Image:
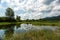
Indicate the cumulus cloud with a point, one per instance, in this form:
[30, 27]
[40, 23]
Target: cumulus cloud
[33, 9]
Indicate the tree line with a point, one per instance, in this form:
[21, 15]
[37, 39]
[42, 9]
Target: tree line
[51, 19]
[9, 16]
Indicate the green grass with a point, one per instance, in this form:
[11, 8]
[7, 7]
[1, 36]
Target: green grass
[35, 35]
[4, 23]
[50, 23]
[34, 23]
[7, 23]
[45, 23]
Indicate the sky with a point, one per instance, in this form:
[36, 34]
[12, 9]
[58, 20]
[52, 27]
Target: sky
[31, 9]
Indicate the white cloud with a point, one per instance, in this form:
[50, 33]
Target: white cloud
[30, 16]
[34, 9]
[1, 6]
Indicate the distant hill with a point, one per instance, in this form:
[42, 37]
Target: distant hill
[55, 18]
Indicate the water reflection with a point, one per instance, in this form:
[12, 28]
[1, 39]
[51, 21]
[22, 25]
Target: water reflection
[1, 33]
[7, 31]
[28, 27]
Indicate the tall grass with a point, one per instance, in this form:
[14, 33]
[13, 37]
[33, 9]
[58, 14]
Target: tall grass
[35, 35]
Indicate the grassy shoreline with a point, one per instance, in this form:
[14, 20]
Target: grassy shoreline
[34, 23]
[50, 23]
[7, 23]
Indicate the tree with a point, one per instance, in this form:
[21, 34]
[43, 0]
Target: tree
[9, 13]
[18, 18]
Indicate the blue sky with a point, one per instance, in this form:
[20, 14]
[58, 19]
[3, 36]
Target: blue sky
[31, 9]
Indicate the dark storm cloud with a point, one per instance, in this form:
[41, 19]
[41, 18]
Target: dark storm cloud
[48, 2]
[58, 1]
[48, 10]
[21, 1]
[0, 1]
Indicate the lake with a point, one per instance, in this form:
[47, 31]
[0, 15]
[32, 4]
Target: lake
[29, 32]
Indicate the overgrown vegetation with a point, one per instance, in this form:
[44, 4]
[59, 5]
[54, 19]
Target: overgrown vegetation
[35, 35]
[9, 16]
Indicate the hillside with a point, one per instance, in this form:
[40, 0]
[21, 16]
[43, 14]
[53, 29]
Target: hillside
[55, 18]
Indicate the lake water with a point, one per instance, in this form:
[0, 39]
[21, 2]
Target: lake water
[10, 30]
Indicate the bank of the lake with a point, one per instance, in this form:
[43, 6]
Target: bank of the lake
[51, 23]
[34, 23]
[45, 23]
[7, 23]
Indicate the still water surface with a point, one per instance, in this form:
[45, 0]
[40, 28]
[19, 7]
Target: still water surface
[22, 28]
